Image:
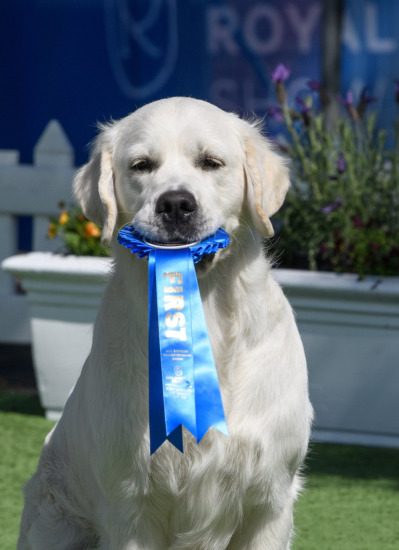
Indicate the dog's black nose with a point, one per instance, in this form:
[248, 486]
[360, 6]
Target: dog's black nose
[176, 206]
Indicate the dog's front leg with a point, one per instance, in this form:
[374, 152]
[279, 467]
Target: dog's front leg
[230, 499]
[262, 531]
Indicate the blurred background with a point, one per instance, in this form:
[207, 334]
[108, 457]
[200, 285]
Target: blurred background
[83, 61]
[66, 65]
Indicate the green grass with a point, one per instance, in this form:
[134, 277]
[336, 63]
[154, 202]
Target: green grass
[22, 433]
[351, 501]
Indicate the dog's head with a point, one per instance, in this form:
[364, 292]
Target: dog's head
[178, 169]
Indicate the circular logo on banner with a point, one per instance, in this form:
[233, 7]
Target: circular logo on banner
[142, 44]
[178, 371]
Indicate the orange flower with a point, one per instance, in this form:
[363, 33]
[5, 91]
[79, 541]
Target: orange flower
[52, 231]
[91, 230]
[63, 218]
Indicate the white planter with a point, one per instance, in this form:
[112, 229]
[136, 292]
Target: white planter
[64, 293]
[350, 330]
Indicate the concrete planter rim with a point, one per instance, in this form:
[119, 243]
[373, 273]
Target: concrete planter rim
[344, 285]
[35, 265]
[48, 262]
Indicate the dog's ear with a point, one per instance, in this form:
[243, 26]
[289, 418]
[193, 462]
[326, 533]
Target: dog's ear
[267, 179]
[93, 188]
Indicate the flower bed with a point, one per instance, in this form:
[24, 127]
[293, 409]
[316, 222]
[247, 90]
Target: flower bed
[341, 213]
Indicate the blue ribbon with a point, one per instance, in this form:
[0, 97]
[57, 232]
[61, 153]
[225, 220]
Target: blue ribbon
[183, 382]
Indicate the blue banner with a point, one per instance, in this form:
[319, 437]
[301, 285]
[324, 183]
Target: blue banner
[83, 61]
[370, 54]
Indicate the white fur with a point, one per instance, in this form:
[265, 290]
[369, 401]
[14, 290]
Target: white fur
[97, 485]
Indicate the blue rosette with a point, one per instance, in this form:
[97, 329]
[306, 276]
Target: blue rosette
[183, 384]
[130, 238]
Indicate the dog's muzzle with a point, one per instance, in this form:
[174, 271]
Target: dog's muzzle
[177, 215]
[179, 221]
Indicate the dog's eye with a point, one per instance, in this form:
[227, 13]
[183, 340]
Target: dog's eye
[141, 165]
[211, 163]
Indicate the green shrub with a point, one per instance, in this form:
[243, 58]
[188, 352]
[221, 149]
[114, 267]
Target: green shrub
[341, 213]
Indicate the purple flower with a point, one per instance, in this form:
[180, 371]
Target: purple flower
[348, 102]
[275, 112]
[314, 85]
[278, 76]
[323, 248]
[357, 222]
[337, 202]
[366, 97]
[304, 110]
[364, 100]
[302, 105]
[341, 163]
[280, 73]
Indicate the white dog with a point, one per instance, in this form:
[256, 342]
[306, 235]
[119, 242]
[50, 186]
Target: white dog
[178, 169]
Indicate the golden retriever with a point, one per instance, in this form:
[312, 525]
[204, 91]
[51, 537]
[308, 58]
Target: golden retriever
[97, 486]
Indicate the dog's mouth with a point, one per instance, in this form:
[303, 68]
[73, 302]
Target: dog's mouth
[178, 244]
[205, 260]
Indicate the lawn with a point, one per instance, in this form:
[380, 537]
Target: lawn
[351, 501]
[21, 438]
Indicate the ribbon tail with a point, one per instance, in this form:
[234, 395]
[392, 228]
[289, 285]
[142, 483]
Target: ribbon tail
[175, 338]
[171, 332]
[156, 407]
[156, 398]
[176, 438]
[208, 399]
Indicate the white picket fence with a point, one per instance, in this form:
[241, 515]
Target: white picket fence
[33, 190]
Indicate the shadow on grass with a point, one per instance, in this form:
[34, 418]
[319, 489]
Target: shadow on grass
[353, 461]
[14, 402]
